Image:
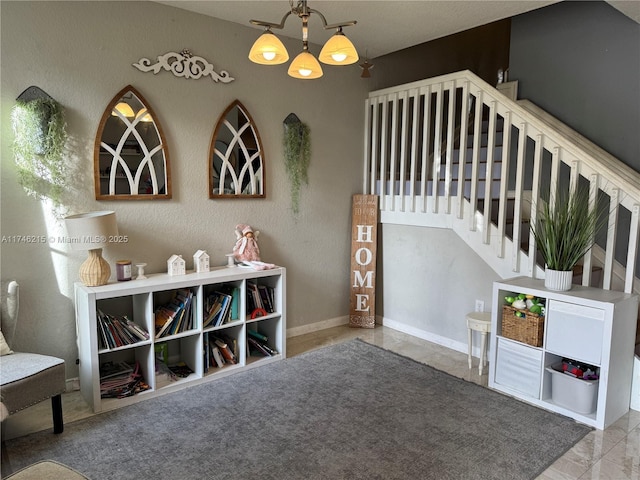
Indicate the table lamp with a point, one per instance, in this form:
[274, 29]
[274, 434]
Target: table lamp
[92, 231]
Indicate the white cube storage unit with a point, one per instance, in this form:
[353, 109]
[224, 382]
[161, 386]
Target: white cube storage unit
[588, 325]
[138, 300]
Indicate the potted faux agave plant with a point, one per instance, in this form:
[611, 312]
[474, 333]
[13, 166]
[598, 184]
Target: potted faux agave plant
[564, 232]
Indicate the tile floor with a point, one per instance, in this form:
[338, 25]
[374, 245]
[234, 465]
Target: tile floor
[610, 454]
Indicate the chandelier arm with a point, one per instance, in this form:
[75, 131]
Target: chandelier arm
[335, 25]
[350, 23]
[264, 23]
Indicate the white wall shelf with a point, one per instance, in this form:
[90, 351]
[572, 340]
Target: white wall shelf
[138, 299]
[589, 325]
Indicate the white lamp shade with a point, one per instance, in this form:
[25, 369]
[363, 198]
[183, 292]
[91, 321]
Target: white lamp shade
[338, 51]
[268, 50]
[305, 66]
[88, 231]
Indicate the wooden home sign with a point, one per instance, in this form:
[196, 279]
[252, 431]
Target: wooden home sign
[364, 229]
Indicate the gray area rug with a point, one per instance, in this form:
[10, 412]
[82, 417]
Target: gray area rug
[348, 411]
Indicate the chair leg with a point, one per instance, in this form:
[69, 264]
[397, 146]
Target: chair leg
[56, 408]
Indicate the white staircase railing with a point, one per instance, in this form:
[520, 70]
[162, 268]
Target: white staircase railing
[454, 152]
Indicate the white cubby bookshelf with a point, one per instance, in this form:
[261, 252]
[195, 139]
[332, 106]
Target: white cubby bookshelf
[138, 299]
[588, 325]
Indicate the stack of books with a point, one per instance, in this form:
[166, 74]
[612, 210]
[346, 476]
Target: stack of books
[221, 307]
[257, 343]
[260, 297]
[177, 315]
[119, 380]
[114, 332]
[219, 350]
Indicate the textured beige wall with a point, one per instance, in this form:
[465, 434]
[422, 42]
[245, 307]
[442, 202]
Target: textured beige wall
[81, 54]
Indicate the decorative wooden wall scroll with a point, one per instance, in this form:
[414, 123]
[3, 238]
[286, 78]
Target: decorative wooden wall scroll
[364, 234]
[185, 65]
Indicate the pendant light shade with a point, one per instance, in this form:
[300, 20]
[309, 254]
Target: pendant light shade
[338, 50]
[305, 66]
[268, 50]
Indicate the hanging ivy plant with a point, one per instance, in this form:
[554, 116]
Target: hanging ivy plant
[297, 156]
[40, 136]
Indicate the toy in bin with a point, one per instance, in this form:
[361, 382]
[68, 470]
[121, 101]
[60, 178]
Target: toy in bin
[578, 370]
[523, 301]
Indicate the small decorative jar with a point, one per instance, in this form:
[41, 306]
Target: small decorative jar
[123, 270]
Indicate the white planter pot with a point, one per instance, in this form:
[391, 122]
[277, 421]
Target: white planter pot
[557, 280]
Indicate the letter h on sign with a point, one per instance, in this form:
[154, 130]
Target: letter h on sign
[364, 227]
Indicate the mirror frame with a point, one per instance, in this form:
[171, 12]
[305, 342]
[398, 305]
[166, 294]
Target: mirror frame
[214, 139]
[96, 152]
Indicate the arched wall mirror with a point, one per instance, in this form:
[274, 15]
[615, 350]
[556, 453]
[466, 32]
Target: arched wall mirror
[131, 160]
[236, 163]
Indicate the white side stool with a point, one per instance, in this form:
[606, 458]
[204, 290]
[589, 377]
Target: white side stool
[480, 322]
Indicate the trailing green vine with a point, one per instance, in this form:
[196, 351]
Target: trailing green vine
[297, 155]
[40, 134]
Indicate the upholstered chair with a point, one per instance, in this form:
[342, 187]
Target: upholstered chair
[27, 378]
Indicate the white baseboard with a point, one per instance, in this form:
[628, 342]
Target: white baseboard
[315, 327]
[72, 384]
[387, 322]
[430, 337]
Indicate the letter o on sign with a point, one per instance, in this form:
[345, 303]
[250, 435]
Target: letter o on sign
[358, 256]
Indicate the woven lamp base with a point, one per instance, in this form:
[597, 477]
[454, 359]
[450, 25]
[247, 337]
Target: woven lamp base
[95, 271]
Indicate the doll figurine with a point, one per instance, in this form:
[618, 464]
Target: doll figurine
[246, 247]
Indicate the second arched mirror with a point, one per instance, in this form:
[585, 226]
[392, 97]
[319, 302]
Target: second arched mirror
[236, 162]
[131, 160]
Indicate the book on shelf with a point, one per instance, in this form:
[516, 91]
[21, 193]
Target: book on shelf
[234, 292]
[257, 335]
[254, 302]
[266, 295]
[181, 370]
[257, 346]
[206, 352]
[118, 331]
[175, 316]
[138, 331]
[114, 369]
[217, 357]
[226, 351]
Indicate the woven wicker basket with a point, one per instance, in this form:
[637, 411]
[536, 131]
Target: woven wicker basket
[528, 329]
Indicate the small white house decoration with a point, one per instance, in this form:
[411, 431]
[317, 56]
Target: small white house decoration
[201, 261]
[176, 265]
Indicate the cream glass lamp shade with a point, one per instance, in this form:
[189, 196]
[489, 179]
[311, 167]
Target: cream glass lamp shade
[305, 66]
[338, 51]
[124, 108]
[92, 231]
[268, 50]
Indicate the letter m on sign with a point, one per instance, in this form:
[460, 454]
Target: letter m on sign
[364, 229]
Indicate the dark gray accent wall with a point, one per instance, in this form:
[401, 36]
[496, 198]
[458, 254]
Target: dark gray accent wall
[483, 50]
[580, 61]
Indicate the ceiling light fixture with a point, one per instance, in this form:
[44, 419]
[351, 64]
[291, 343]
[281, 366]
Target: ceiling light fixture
[269, 50]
